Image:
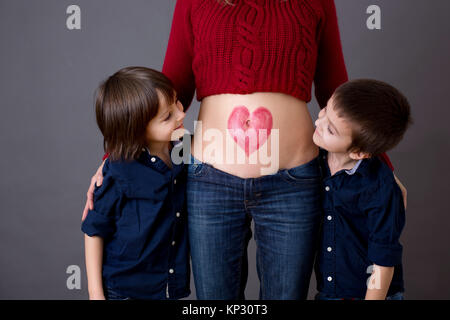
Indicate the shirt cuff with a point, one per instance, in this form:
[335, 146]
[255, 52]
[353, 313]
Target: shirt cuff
[97, 224]
[385, 255]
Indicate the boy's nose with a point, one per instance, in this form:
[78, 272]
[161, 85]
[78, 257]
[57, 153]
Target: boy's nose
[316, 122]
[319, 117]
[181, 115]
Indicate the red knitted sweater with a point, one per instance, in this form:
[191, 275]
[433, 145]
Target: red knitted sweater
[255, 46]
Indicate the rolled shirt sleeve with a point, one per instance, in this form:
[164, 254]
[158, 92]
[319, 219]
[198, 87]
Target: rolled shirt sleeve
[101, 221]
[386, 219]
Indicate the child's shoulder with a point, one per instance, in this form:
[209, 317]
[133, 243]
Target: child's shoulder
[109, 185]
[136, 179]
[120, 169]
[378, 171]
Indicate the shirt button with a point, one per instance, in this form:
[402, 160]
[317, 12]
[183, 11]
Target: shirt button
[329, 218]
[329, 249]
[178, 214]
[327, 188]
[171, 271]
[175, 181]
[173, 243]
[330, 279]
[153, 159]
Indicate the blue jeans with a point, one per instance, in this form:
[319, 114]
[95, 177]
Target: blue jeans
[286, 211]
[395, 296]
[110, 294]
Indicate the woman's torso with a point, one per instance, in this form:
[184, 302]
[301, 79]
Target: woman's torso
[289, 142]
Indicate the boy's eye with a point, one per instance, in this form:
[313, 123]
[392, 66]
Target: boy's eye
[168, 117]
[329, 130]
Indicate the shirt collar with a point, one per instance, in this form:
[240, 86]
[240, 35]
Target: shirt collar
[143, 177]
[155, 162]
[355, 167]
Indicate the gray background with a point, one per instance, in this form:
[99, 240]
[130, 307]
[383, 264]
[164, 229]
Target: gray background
[50, 144]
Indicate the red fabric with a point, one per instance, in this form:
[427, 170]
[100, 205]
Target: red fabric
[255, 46]
[385, 158]
[105, 156]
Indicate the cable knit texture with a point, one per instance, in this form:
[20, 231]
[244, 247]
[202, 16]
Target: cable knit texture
[255, 46]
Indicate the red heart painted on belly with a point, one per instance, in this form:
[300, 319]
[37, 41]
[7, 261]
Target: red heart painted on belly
[250, 131]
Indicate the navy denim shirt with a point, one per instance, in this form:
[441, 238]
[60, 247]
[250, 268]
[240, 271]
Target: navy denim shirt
[363, 218]
[140, 212]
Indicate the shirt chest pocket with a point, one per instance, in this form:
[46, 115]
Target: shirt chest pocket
[141, 205]
[347, 204]
[135, 224]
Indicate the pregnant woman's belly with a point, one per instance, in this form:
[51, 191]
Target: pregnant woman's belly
[253, 135]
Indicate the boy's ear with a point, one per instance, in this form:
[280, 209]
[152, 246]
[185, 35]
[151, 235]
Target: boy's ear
[358, 155]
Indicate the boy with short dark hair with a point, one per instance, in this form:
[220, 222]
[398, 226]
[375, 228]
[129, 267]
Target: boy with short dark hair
[363, 206]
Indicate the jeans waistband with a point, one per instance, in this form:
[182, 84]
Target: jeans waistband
[310, 168]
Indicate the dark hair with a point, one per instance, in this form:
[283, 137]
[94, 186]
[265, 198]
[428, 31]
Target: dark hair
[124, 105]
[380, 112]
